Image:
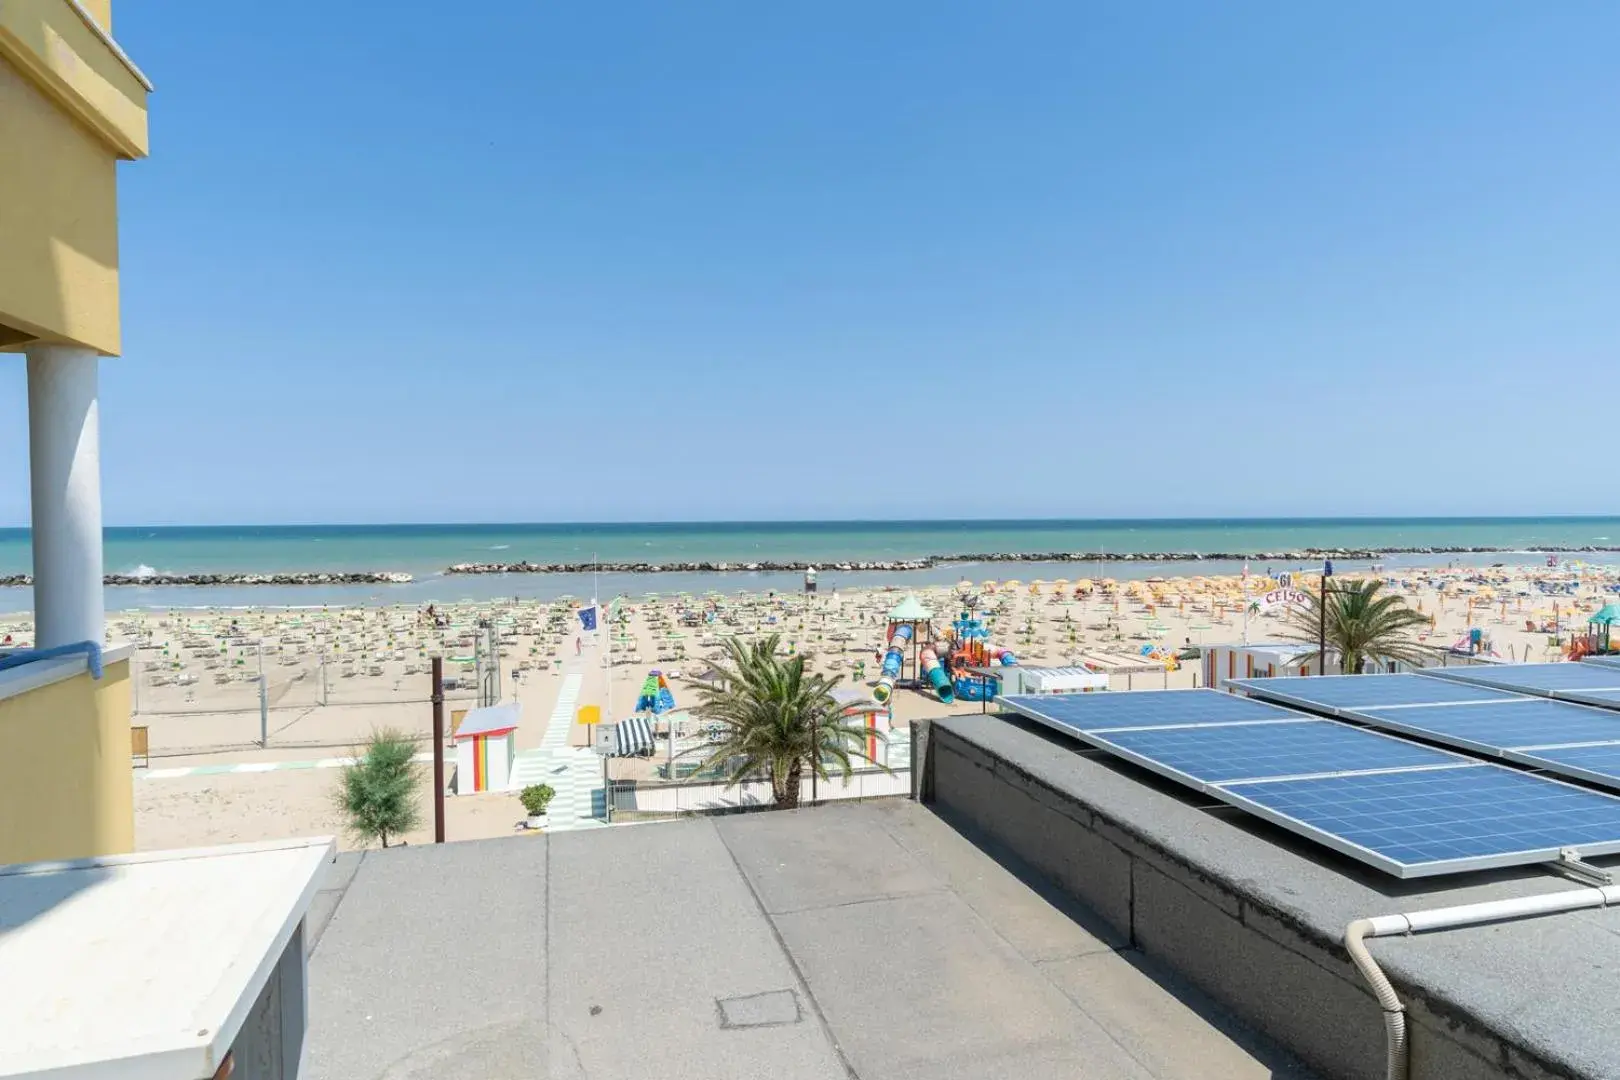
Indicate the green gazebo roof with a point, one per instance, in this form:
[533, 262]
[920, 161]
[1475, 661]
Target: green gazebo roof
[910, 610]
[1607, 614]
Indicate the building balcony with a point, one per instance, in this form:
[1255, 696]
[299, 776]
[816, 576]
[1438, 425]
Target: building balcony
[66, 789]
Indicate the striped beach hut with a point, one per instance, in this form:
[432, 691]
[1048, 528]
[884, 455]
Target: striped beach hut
[486, 742]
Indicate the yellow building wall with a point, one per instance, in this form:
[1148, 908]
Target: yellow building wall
[101, 11]
[70, 109]
[66, 785]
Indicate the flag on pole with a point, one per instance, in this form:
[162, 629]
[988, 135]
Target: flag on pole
[587, 617]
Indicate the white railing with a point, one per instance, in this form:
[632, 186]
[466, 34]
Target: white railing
[701, 797]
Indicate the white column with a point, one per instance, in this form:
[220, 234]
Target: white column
[64, 447]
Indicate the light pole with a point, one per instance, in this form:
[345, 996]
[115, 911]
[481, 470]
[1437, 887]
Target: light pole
[1321, 620]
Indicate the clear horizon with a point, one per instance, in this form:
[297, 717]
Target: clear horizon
[749, 262]
[1265, 519]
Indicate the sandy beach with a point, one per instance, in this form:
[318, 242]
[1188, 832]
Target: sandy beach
[333, 675]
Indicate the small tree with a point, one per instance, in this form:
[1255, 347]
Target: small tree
[377, 794]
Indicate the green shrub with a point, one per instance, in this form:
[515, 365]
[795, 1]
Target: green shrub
[377, 794]
[536, 797]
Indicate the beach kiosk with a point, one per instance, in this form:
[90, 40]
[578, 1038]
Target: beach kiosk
[486, 742]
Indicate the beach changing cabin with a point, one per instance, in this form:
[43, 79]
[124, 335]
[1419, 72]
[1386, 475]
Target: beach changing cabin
[1264, 660]
[486, 742]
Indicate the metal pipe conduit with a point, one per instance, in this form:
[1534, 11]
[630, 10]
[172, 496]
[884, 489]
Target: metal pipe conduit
[1417, 922]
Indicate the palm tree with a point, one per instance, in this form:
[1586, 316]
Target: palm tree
[777, 718]
[1362, 625]
[377, 793]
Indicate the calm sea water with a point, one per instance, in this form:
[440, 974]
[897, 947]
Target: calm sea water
[425, 550]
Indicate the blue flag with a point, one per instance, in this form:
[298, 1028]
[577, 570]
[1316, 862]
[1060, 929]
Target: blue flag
[587, 617]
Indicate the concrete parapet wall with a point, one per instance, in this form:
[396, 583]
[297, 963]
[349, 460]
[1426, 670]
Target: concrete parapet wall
[1234, 908]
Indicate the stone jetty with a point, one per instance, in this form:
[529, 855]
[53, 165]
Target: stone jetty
[363, 577]
[931, 561]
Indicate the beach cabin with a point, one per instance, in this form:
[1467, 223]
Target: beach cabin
[1050, 680]
[1258, 661]
[486, 742]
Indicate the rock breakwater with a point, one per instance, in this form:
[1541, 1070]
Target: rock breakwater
[364, 577]
[930, 561]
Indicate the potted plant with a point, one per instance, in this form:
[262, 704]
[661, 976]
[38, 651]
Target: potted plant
[536, 797]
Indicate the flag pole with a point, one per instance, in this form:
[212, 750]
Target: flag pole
[1245, 601]
[607, 664]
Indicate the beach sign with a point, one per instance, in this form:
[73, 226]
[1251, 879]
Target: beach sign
[1284, 596]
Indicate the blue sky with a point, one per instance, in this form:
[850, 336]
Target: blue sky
[647, 261]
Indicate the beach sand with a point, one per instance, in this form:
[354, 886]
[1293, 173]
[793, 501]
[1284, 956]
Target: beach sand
[332, 676]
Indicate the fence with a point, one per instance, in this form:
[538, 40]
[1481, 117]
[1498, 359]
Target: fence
[688, 798]
[204, 694]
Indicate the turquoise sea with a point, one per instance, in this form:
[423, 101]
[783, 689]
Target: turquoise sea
[424, 551]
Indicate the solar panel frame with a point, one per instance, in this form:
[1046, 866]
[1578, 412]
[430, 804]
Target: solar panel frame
[1239, 795]
[1582, 725]
[1542, 680]
[1204, 766]
[1150, 708]
[1311, 691]
[1573, 761]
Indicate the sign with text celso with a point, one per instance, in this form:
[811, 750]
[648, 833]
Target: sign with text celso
[1284, 596]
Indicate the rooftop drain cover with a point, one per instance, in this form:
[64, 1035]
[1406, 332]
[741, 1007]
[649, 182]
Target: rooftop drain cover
[770, 1009]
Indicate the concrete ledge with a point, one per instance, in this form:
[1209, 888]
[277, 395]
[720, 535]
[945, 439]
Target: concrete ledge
[29, 677]
[1254, 916]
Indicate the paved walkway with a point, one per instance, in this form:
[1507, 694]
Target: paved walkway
[575, 773]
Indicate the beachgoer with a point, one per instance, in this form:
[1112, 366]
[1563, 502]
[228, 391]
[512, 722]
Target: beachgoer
[576, 645]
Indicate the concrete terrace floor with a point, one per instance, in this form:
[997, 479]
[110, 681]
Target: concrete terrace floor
[871, 940]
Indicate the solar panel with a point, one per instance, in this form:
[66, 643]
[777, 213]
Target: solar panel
[1494, 726]
[1213, 755]
[1400, 806]
[1602, 661]
[1437, 821]
[1351, 691]
[1599, 764]
[1544, 679]
[1144, 708]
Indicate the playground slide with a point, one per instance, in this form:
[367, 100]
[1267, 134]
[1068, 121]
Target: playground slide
[891, 663]
[932, 670]
[1002, 656]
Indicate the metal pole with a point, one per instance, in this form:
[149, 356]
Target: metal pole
[607, 793]
[1321, 627]
[815, 759]
[264, 703]
[438, 749]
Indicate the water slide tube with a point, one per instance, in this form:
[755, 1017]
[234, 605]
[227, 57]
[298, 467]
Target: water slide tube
[932, 670]
[1001, 655]
[891, 663]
